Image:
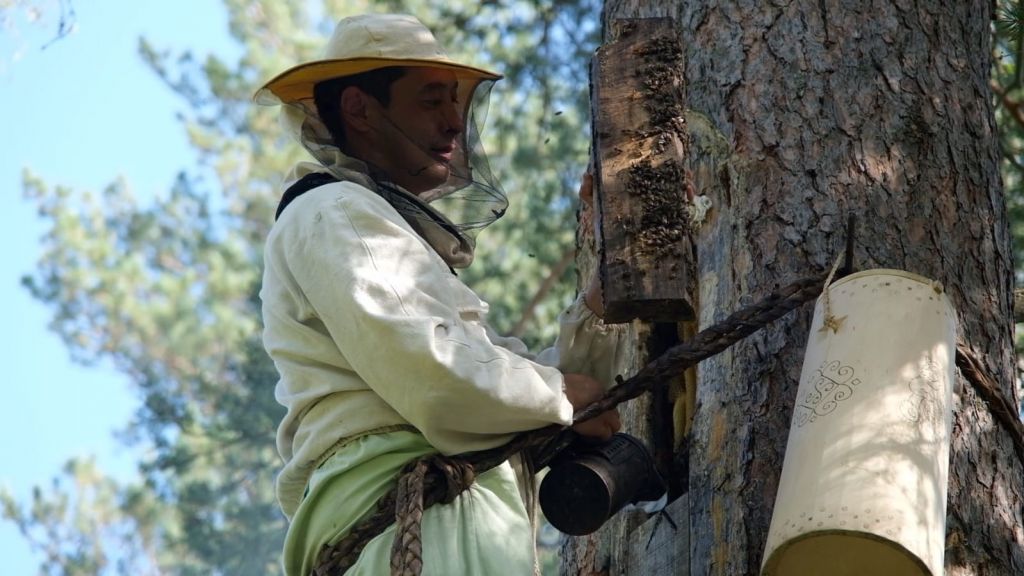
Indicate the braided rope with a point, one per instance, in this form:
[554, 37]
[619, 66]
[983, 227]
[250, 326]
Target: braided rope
[1002, 409]
[709, 342]
[407, 548]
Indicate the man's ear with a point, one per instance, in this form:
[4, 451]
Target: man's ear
[354, 109]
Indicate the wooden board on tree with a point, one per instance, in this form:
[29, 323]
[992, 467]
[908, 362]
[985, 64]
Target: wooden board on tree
[644, 236]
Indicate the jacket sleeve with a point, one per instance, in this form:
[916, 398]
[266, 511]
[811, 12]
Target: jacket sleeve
[413, 331]
[585, 345]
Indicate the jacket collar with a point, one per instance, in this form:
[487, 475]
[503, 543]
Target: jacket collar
[444, 237]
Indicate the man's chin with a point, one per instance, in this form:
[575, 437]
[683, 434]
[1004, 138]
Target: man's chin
[430, 179]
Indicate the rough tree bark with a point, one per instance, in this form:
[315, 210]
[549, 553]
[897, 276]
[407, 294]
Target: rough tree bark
[801, 113]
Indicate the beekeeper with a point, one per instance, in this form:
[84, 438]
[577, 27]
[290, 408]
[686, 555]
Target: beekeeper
[384, 355]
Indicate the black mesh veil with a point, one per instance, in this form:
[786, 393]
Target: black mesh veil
[448, 216]
[472, 198]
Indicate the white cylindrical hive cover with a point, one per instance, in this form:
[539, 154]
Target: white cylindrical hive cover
[863, 486]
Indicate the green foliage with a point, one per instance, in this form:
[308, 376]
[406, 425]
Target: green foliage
[1008, 92]
[167, 291]
[90, 527]
[1008, 89]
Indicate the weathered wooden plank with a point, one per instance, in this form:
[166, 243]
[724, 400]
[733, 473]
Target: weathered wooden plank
[640, 141]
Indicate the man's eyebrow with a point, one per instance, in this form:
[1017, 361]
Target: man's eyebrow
[438, 87]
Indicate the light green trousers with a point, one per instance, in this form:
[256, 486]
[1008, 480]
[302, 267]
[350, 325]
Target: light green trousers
[485, 531]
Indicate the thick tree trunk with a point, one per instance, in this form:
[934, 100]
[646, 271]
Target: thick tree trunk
[803, 113]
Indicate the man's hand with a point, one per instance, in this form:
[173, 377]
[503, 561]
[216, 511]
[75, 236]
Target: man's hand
[582, 391]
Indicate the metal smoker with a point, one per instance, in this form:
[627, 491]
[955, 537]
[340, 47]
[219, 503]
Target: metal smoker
[588, 483]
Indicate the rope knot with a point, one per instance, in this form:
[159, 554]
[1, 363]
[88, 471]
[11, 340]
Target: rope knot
[458, 475]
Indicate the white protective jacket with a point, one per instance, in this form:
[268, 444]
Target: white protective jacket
[371, 331]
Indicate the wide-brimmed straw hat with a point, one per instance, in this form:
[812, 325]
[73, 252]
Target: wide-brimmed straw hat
[363, 43]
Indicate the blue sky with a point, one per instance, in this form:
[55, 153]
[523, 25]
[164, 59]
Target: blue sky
[72, 114]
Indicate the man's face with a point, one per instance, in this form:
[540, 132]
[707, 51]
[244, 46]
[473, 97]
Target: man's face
[418, 131]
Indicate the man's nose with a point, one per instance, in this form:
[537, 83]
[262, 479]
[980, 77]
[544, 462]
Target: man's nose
[453, 118]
